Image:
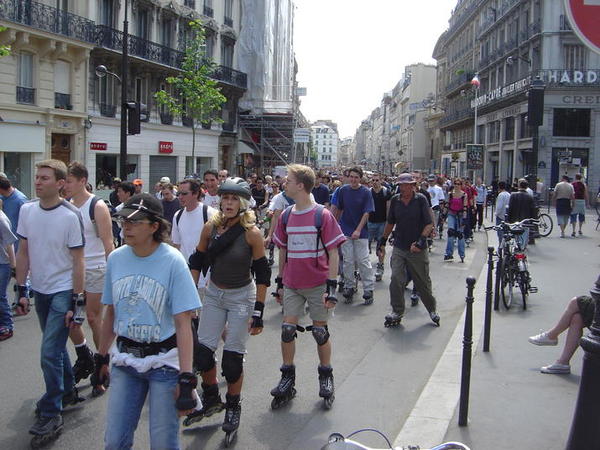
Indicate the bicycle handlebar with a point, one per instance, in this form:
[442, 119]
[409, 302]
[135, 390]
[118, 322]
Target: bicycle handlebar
[505, 225]
[338, 442]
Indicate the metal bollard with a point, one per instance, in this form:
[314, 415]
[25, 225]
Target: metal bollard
[488, 301]
[465, 381]
[498, 279]
[585, 429]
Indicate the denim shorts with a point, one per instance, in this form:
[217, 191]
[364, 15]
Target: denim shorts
[375, 230]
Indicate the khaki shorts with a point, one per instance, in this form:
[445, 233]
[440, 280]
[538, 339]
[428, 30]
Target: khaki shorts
[294, 300]
[94, 279]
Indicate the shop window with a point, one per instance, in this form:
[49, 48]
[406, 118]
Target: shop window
[571, 122]
[17, 167]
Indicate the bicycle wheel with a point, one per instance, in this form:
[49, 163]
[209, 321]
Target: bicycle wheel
[524, 287]
[506, 283]
[546, 225]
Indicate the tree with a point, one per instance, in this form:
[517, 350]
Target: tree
[4, 49]
[195, 94]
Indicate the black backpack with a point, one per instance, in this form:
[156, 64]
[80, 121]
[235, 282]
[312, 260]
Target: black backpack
[204, 214]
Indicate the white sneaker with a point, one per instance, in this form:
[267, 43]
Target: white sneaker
[556, 369]
[542, 339]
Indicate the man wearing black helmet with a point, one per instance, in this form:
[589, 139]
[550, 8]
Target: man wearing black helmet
[233, 248]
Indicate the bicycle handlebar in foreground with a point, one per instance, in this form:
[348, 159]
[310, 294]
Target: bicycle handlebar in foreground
[338, 442]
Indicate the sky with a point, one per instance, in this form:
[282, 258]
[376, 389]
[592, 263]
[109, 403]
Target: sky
[350, 52]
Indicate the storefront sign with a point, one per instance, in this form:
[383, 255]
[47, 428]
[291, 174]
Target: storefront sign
[165, 147]
[98, 146]
[474, 157]
[502, 92]
[570, 77]
[581, 99]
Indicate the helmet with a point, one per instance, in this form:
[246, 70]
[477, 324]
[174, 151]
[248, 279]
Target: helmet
[235, 186]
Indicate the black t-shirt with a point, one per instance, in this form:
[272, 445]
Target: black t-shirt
[259, 195]
[409, 219]
[380, 201]
[426, 194]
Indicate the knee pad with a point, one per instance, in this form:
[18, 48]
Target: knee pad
[204, 358]
[320, 334]
[288, 332]
[232, 365]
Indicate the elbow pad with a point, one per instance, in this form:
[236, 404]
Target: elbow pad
[198, 261]
[262, 271]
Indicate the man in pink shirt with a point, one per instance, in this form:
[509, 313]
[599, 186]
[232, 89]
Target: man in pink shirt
[308, 237]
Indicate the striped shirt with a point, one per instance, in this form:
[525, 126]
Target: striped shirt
[307, 264]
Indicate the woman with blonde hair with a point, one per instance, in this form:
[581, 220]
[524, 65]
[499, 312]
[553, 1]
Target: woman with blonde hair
[233, 248]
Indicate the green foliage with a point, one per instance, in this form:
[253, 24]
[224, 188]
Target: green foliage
[4, 49]
[195, 94]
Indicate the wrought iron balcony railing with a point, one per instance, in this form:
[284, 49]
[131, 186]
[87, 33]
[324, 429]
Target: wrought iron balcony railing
[228, 21]
[25, 95]
[108, 110]
[231, 76]
[166, 118]
[47, 18]
[62, 101]
[187, 121]
[459, 82]
[456, 116]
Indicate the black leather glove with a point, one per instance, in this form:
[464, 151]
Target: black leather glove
[278, 285]
[100, 376]
[257, 315]
[421, 243]
[187, 383]
[331, 290]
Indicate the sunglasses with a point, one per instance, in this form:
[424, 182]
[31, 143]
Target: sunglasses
[123, 221]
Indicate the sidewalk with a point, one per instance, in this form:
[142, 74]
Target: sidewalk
[512, 404]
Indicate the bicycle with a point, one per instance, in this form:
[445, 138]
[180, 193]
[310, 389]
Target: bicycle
[337, 441]
[513, 262]
[545, 225]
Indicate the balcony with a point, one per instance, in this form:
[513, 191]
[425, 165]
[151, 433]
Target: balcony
[466, 14]
[231, 76]
[531, 30]
[62, 101]
[166, 118]
[458, 82]
[498, 15]
[142, 48]
[208, 11]
[47, 18]
[187, 121]
[564, 23]
[228, 21]
[456, 116]
[25, 95]
[108, 110]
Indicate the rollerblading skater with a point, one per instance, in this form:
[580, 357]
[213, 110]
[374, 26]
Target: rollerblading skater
[326, 389]
[46, 430]
[285, 390]
[233, 412]
[379, 272]
[211, 404]
[392, 319]
[84, 366]
[368, 298]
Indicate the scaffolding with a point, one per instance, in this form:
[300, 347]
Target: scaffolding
[271, 136]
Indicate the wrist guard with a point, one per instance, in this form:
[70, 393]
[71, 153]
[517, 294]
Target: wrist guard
[421, 243]
[278, 285]
[78, 308]
[187, 383]
[257, 315]
[331, 290]
[97, 378]
[23, 291]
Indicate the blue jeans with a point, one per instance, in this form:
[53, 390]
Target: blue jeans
[56, 366]
[6, 320]
[375, 231]
[523, 239]
[455, 223]
[499, 232]
[127, 395]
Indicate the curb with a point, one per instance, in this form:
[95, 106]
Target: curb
[430, 418]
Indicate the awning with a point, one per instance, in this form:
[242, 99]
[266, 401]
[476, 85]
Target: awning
[22, 138]
[244, 148]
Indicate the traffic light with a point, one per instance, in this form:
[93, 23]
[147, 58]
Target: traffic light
[133, 117]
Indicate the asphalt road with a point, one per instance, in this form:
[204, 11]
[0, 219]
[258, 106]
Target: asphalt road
[379, 374]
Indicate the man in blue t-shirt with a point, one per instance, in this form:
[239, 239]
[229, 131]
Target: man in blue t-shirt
[321, 193]
[354, 202]
[12, 199]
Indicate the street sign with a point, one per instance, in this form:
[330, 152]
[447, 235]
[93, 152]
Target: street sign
[584, 17]
[302, 135]
[474, 157]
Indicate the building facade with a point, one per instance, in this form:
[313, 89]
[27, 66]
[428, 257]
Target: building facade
[325, 144]
[49, 90]
[509, 44]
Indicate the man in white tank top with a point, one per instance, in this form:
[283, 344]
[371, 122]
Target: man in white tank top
[98, 245]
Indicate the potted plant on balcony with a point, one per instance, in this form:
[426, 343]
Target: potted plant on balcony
[198, 97]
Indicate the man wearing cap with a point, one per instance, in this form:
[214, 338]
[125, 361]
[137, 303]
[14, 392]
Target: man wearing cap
[139, 185]
[410, 219]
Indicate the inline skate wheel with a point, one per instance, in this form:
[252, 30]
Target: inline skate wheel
[230, 438]
[328, 402]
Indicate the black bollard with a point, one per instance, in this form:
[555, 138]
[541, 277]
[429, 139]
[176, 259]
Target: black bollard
[465, 381]
[585, 429]
[498, 279]
[488, 301]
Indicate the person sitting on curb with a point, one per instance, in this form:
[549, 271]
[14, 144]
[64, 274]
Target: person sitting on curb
[578, 314]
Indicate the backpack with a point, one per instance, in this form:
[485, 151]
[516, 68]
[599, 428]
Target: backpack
[92, 213]
[204, 214]
[288, 199]
[318, 225]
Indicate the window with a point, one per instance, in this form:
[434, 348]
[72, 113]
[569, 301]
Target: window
[509, 129]
[166, 31]
[575, 57]
[227, 53]
[210, 45]
[62, 85]
[142, 23]
[228, 13]
[524, 130]
[26, 70]
[494, 132]
[141, 90]
[571, 122]
[105, 13]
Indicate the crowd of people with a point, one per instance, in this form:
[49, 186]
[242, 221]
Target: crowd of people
[164, 277]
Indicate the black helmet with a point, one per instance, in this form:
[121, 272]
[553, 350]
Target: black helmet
[235, 186]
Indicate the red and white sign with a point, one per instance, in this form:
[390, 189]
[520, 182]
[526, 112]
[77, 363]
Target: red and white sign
[584, 17]
[98, 146]
[165, 147]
